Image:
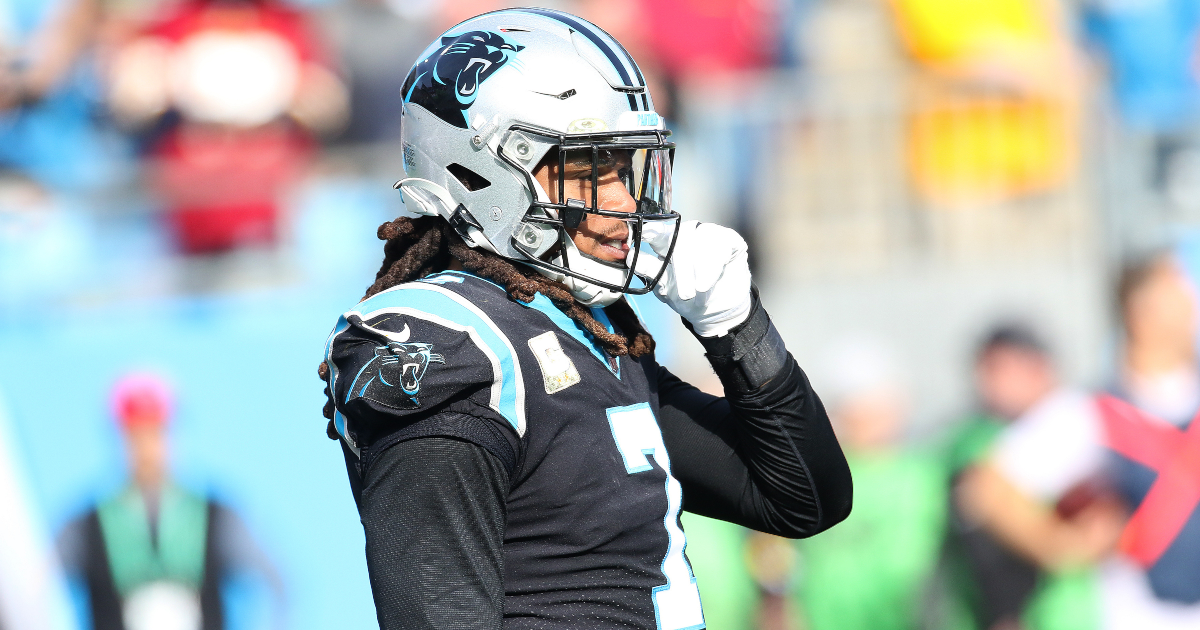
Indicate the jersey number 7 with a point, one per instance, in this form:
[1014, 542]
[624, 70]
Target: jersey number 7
[636, 432]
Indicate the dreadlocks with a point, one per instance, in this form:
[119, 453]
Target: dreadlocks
[416, 248]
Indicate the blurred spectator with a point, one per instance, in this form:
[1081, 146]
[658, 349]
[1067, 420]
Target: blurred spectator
[33, 595]
[1056, 484]
[237, 88]
[870, 572]
[1014, 373]
[30, 70]
[155, 556]
[996, 101]
[47, 127]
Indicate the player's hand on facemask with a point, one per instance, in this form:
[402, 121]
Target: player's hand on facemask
[707, 280]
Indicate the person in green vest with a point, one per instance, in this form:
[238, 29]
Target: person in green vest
[154, 555]
[871, 571]
[1000, 588]
[1013, 370]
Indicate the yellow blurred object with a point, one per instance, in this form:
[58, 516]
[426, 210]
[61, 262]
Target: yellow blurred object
[993, 118]
[948, 30]
[989, 148]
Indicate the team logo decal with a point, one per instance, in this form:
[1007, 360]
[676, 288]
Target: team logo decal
[399, 365]
[558, 371]
[447, 81]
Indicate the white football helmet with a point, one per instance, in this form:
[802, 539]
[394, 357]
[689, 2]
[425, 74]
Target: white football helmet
[491, 98]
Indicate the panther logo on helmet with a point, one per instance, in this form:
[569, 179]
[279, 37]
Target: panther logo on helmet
[447, 81]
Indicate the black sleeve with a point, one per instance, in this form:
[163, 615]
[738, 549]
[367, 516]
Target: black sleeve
[433, 509]
[765, 456]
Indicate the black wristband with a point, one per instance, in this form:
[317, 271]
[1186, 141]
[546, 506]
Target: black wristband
[750, 354]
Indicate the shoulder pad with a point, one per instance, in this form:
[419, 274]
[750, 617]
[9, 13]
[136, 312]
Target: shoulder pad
[415, 347]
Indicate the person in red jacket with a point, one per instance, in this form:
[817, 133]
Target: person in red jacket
[237, 89]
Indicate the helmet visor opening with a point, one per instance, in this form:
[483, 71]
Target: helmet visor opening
[585, 175]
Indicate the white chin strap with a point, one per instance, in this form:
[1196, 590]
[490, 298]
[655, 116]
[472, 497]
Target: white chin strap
[585, 292]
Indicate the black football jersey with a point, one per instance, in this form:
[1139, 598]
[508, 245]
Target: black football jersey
[593, 536]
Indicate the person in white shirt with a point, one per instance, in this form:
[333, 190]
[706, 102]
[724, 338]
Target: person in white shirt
[1111, 478]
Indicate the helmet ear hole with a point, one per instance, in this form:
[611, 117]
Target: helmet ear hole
[470, 180]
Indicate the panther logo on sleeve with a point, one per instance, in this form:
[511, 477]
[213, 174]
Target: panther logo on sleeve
[400, 364]
[447, 81]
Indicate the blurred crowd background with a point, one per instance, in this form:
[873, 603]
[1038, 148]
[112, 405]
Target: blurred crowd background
[968, 219]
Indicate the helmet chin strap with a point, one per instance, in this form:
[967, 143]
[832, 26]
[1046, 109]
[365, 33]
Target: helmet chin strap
[586, 293]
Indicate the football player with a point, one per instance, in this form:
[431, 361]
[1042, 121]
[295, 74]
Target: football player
[518, 457]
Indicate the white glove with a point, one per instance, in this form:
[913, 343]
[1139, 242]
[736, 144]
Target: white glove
[707, 280]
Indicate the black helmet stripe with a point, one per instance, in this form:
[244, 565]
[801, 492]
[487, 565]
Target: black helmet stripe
[637, 71]
[604, 48]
